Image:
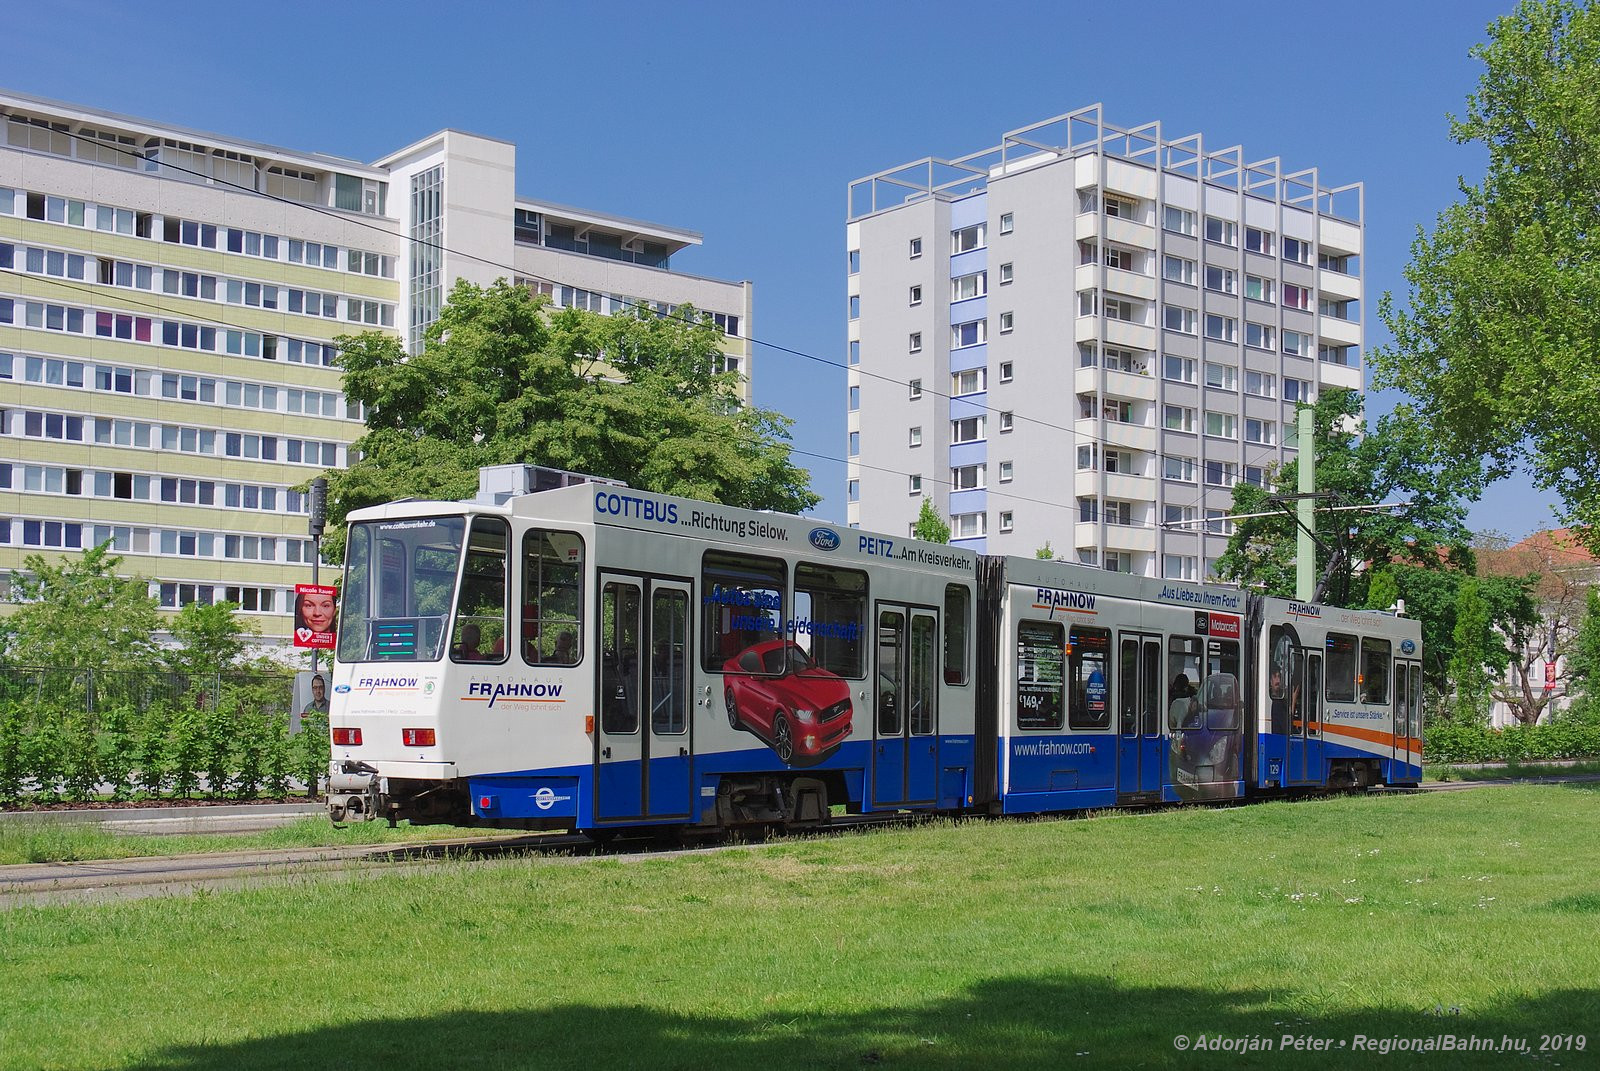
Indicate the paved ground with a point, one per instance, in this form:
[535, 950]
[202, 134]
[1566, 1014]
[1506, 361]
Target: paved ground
[221, 818]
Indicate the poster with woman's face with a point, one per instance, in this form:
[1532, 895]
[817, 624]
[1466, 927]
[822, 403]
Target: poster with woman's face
[315, 613]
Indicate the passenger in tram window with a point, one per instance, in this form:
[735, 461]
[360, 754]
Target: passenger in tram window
[1280, 703]
[1184, 710]
[467, 650]
[566, 652]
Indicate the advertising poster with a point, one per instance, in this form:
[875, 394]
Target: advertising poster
[316, 608]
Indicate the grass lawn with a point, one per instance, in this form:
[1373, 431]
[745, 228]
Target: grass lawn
[1009, 944]
[23, 841]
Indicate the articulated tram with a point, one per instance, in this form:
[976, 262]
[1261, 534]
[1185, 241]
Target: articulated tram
[594, 657]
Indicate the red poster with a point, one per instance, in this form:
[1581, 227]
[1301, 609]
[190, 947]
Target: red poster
[316, 608]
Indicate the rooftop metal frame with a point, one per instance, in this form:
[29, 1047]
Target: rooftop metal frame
[1084, 132]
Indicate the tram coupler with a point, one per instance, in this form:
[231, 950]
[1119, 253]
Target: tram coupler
[353, 791]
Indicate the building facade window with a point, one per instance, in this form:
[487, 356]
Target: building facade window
[967, 239]
[1008, 223]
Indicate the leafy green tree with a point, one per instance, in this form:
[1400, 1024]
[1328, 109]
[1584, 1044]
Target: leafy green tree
[1469, 679]
[80, 614]
[503, 379]
[1583, 661]
[1392, 463]
[210, 640]
[1500, 336]
[930, 526]
[1045, 553]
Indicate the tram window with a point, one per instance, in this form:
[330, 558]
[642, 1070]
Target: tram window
[669, 668]
[552, 597]
[1041, 675]
[1090, 653]
[1220, 692]
[1183, 666]
[743, 600]
[399, 580]
[479, 631]
[1341, 667]
[619, 659]
[830, 610]
[1375, 655]
[957, 611]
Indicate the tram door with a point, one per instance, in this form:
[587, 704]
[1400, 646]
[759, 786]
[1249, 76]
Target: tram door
[1141, 749]
[1407, 711]
[1305, 724]
[905, 726]
[642, 740]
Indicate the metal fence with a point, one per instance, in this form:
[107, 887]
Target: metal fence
[94, 690]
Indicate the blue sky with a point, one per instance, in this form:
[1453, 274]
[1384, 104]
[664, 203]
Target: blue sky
[746, 121]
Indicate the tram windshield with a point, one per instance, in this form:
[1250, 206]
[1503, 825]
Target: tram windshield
[399, 577]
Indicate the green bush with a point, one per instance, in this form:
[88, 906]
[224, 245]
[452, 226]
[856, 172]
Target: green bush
[116, 750]
[1570, 735]
[277, 760]
[313, 750]
[43, 756]
[152, 749]
[80, 755]
[13, 768]
[187, 748]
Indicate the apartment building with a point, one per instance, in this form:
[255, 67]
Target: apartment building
[1085, 336]
[169, 301]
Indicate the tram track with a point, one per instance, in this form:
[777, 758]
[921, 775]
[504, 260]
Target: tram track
[42, 884]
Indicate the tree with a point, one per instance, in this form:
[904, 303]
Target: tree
[930, 527]
[1500, 337]
[1583, 663]
[1392, 463]
[1468, 678]
[80, 615]
[210, 639]
[1045, 553]
[503, 379]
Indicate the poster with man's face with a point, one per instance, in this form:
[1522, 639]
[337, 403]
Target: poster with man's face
[316, 611]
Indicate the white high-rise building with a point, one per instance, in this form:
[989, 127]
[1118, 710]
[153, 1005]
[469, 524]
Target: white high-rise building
[168, 304]
[1087, 335]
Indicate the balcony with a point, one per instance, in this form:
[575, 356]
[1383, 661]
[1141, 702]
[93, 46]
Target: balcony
[1334, 331]
[1331, 284]
[1134, 336]
[1118, 384]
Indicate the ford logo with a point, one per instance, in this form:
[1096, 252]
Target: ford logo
[824, 539]
[341, 688]
[1408, 646]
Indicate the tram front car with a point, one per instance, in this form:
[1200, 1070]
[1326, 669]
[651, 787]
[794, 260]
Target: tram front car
[425, 636]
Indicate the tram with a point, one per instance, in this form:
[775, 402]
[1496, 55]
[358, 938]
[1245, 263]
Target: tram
[594, 657]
